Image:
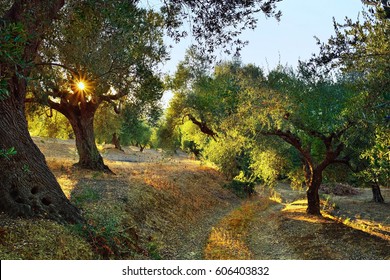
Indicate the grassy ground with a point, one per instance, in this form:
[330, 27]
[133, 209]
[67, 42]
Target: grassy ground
[276, 226]
[155, 207]
[163, 207]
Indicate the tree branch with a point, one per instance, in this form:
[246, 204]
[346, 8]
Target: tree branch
[71, 70]
[293, 140]
[202, 126]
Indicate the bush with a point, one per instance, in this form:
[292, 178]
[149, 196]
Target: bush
[242, 188]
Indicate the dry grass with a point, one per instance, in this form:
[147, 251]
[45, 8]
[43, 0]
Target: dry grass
[227, 240]
[40, 239]
[285, 231]
[154, 207]
[368, 226]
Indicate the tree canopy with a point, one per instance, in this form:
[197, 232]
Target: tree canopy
[109, 49]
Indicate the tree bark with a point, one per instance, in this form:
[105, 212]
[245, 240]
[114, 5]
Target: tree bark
[116, 142]
[27, 187]
[313, 198]
[81, 121]
[203, 127]
[376, 193]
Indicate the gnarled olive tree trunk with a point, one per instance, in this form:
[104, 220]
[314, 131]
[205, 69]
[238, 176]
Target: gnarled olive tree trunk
[81, 115]
[27, 186]
[89, 156]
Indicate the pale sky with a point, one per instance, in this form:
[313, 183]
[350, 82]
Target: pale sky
[290, 39]
[287, 41]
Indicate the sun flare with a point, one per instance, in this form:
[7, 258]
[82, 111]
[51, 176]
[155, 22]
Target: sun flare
[81, 85]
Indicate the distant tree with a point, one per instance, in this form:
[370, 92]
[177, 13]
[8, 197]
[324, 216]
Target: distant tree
[106, 122]
[136, 126]
[115, 140]
[377, 172]
[205, 98]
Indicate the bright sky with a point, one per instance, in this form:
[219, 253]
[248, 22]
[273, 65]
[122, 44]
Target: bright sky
[287, 41]
[290, 39]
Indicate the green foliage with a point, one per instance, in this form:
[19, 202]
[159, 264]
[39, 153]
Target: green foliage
[268, 165]
[242, 186]
[378, 157]
[192, 140]
[226, 155]
[327, 119]
[115, 49]
[46, 123]
[12, 41]
[217, 24]
[360, 50]
[7, 153]
[297, 178]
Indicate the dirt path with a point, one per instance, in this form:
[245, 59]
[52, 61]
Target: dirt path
[281, 230]
[266, 240]
[285, 231]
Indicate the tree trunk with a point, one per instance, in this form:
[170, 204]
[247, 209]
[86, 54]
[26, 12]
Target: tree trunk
[313, 198]
[116, 142]
[376, 192]
[82, 124]
[27, 187]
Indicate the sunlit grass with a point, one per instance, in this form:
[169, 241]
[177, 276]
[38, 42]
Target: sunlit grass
[275, 196]
[371, 227]
[149, 191]
[297, 211]
[228, 239]
[67, 184]
[223, 244]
